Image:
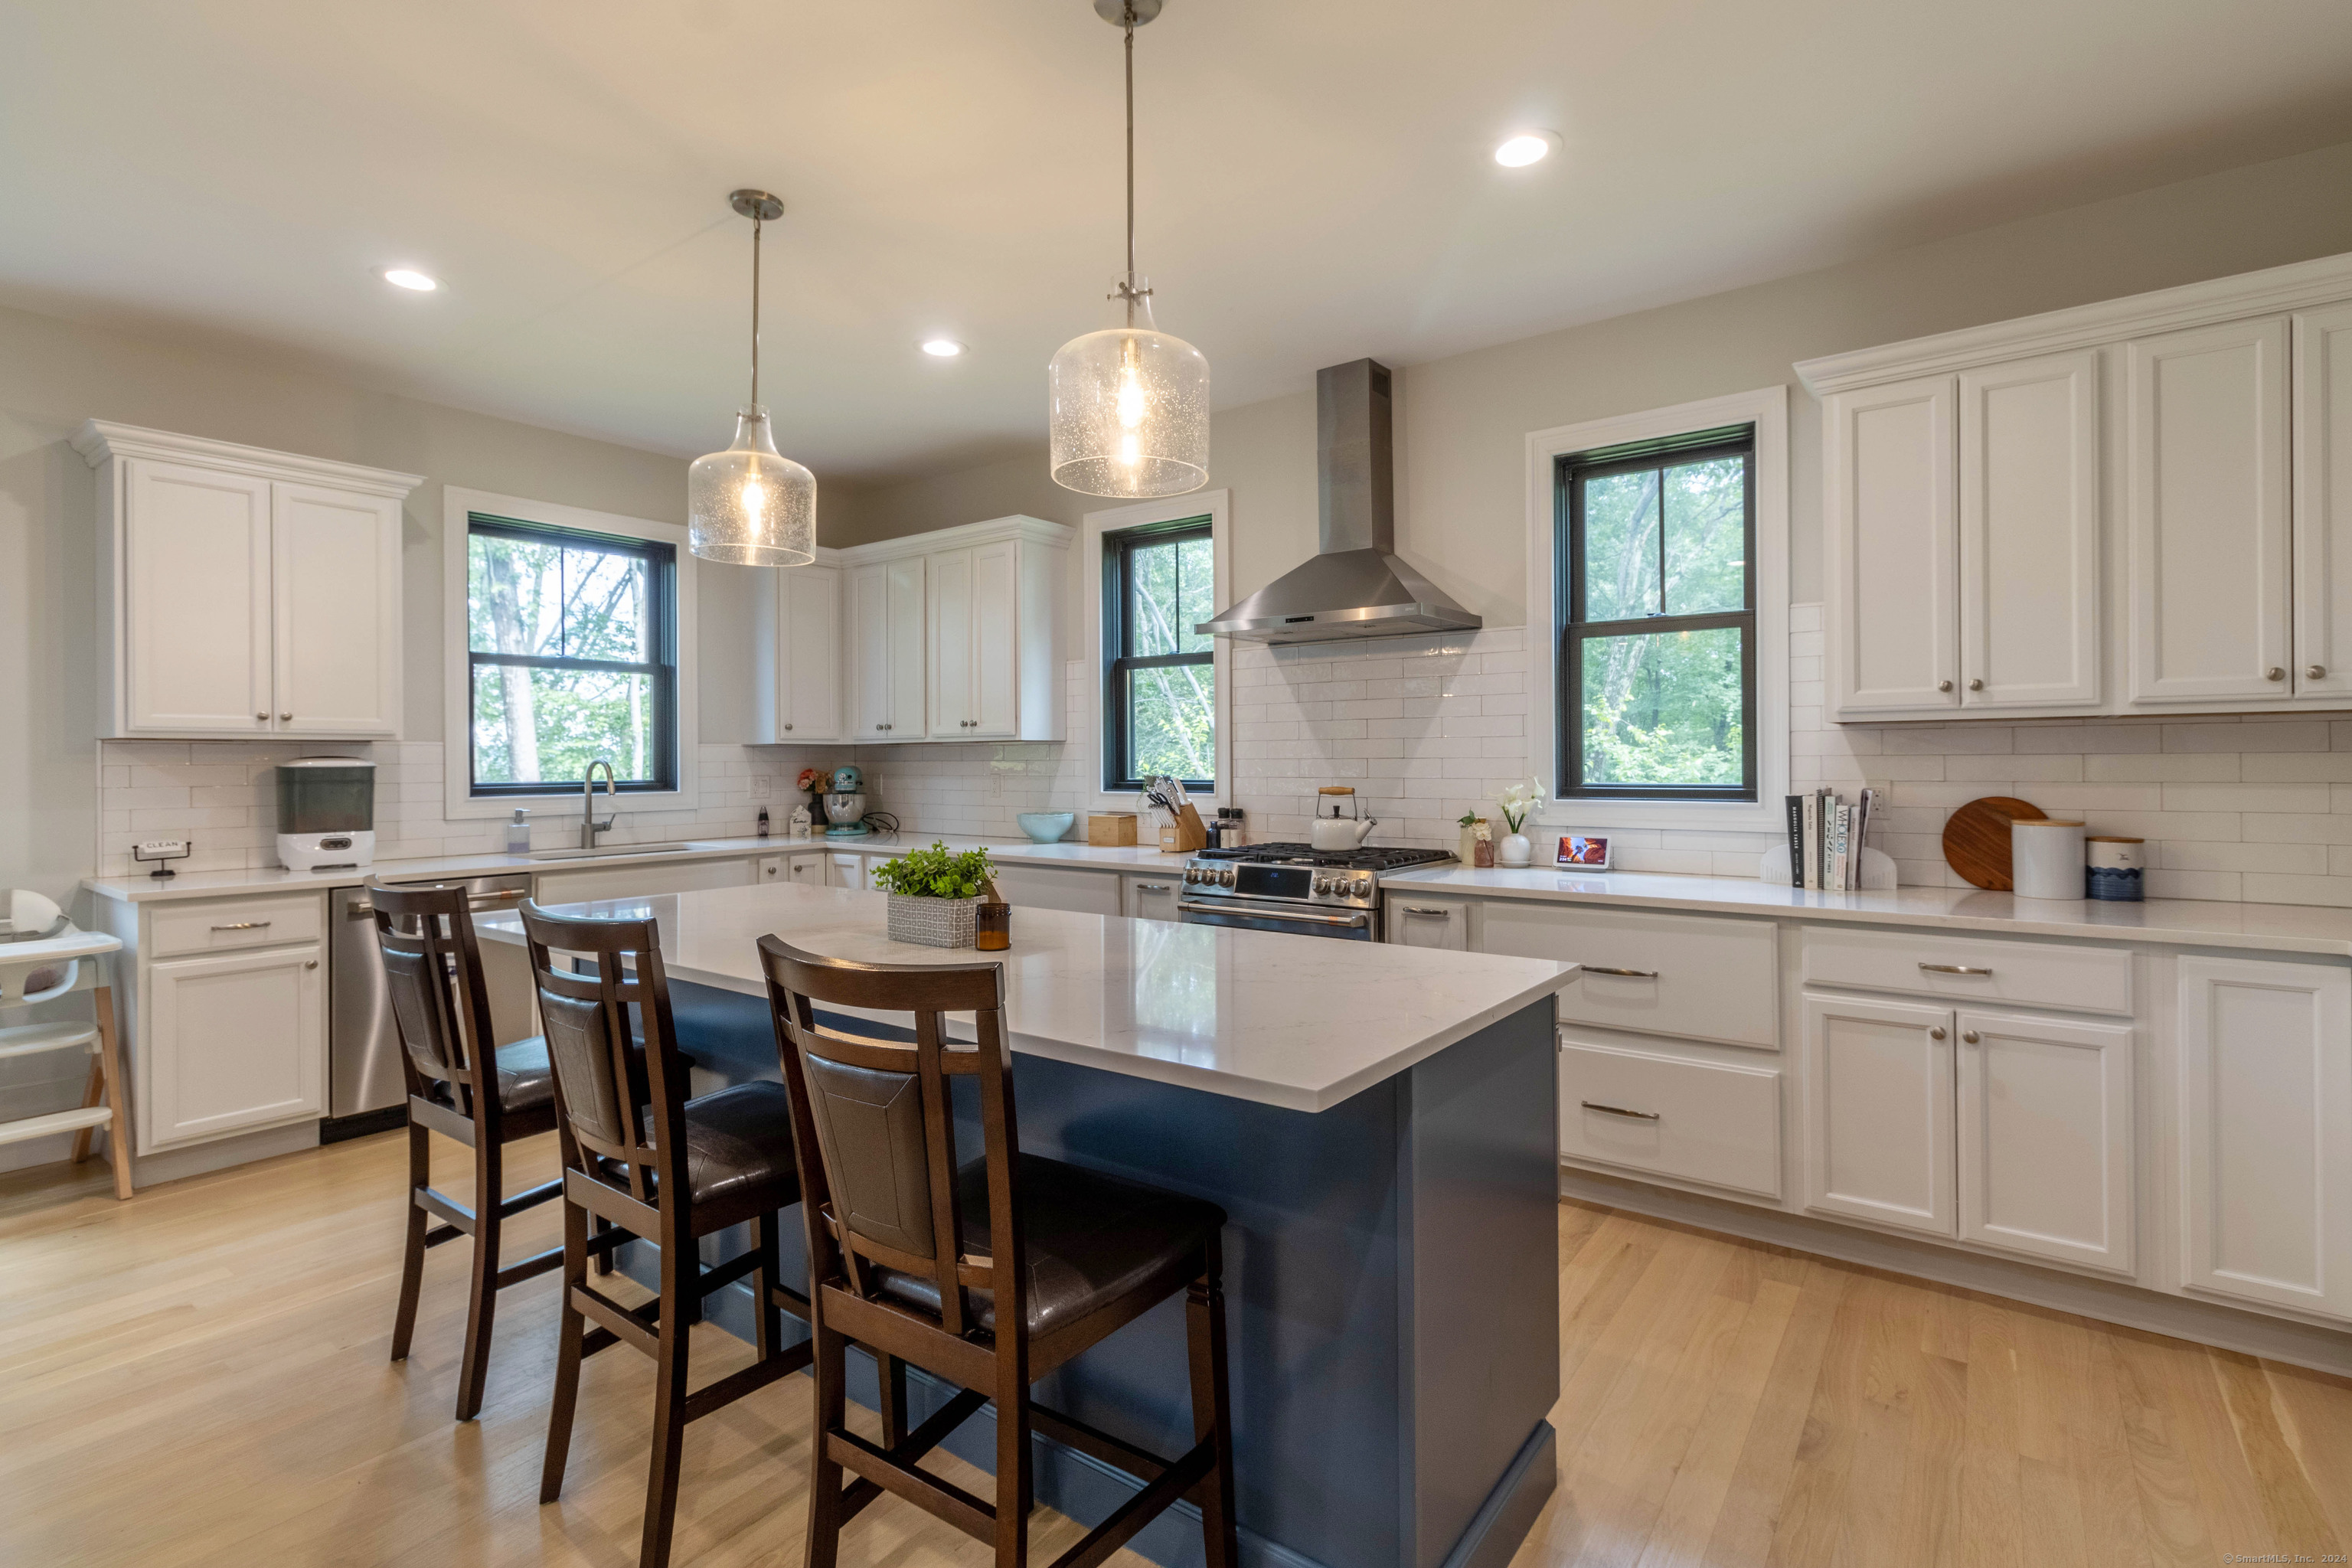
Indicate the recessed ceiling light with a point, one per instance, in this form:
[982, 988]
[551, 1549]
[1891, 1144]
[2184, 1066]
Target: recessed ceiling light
[409, 277]
[943, 348]
[1527, 147]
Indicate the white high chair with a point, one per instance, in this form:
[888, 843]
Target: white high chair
[43, 969]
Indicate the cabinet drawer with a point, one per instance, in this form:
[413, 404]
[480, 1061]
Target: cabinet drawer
[174, 929]
[2030, 973]
[1663, 974]
[1702, 1121]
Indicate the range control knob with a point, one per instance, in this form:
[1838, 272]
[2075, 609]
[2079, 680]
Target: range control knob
[1191, 875]
[1363, 887]
[1322, 884]
[1226, 877]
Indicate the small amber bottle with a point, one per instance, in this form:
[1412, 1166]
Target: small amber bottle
[993, 930]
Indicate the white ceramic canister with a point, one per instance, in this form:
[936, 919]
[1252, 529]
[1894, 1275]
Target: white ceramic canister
[2116, 867]
[2045, 858]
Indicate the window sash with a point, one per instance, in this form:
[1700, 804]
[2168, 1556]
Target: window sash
[1575, 631]
[1119, 635]
[660, 635]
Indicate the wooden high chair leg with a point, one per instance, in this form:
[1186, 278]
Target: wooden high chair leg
[106, 1071]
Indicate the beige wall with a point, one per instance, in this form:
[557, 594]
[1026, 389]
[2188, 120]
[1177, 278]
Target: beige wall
[54, 374]
[1462, 421]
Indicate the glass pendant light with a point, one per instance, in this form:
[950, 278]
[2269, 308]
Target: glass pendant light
[1130, 403]
[750, 505]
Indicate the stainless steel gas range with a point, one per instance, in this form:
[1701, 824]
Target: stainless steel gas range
[1293, 887]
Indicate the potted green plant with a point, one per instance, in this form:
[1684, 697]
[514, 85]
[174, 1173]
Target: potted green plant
[936, 894]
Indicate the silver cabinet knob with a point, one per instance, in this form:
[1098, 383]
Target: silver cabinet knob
[1943, 686]
[313, 964]
[788, 726]
[1968, 1036]
[2316, 671]
[1976, 686]
[261, 718]
[283, 718]
[1936, 1033]
[2274, 673]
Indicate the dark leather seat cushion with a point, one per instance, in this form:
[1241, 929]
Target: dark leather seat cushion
[526, 1080]
[1091, 1239]
[740, 1139]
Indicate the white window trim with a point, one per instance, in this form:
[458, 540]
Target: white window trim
[1218, 506]
[456, 705]
[1768, 409]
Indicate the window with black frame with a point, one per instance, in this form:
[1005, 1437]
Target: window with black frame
[1657, 635]
[573, 650]
[1160, 677]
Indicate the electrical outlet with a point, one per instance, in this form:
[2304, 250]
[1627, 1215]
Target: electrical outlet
[764, 786]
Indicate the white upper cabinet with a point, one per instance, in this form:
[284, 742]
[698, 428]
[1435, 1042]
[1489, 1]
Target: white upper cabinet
[2029, 533]
[244, 591]
[886, 651]
[2322, 504]
[800, 688]
[335, 570]
[953, 671]
[1887, 489]
[2207, 514]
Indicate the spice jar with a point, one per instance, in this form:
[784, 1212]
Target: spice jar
[992, 928]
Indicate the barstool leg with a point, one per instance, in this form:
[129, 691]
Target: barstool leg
[829, 1366]
[412, 1256]
[890, 1377]
[110, 1055]
[570, 1326]
[680, 1275]
[769, 1319]
[1013, 1483]
[1204, 1313]
[482, 1306]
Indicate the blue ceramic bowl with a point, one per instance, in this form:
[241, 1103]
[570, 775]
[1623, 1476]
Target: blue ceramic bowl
[1046, 827]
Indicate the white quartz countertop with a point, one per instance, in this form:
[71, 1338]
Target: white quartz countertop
[276, 879]
[1300, 1022]
[2185, 922]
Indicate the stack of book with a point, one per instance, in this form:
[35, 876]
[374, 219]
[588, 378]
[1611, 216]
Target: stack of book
[1825, 839]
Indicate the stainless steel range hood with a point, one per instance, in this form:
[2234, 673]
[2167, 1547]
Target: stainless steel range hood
[1354, 586]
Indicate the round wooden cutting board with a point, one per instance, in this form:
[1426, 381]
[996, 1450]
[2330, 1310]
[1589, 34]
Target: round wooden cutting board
[1975, 839]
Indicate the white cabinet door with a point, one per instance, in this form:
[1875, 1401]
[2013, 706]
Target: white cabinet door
[2207, 514]
[906, 674]
[808, 870]
[870, 646]
[195, 611]
[2322, 504]
[808, 684]
[952, 704]
[845, 871]
[1417, 922]
[1878, 1112]
[2029, 529]
[995, 675]
[335, 584]
[1153, 898]
[1888, 493]
[232, 1042]
[2265, 1123]
[1063, 887]
[2045, 1138]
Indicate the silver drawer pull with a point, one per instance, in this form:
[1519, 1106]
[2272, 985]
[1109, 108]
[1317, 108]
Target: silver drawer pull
[1950, 969]
[1155, 887]
[1628, 973]
[1619, 1111]
[243, 925]
[1429, 909]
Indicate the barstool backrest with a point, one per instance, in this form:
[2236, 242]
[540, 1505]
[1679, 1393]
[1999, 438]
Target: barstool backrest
[609, 1093]
[875, 1130]
[433, 974]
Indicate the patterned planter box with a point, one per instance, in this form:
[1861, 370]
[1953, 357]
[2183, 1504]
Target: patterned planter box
[933, 922]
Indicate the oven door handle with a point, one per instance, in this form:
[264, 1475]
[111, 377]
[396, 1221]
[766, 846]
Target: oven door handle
[1258, 912]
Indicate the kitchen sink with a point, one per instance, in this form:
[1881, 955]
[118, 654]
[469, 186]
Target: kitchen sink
[602, 850]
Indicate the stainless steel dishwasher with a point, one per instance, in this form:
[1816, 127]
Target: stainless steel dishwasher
[366, 1091]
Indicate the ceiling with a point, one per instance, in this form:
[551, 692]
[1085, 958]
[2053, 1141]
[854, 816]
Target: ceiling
[1316, 181]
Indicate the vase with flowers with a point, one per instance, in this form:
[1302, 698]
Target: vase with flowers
[1517, 804]
[813, 783]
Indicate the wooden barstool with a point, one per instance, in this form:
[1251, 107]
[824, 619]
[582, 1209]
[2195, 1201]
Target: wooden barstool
[639, 1155]
[433, 974]
[990, 1275]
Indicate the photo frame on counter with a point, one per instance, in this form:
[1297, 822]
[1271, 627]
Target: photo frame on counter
[1583, 851]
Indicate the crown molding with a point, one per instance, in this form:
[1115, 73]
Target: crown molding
[100, 440]
[1029, 530]
[2303, 283]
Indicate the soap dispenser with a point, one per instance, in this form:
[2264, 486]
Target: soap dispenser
[518, 833]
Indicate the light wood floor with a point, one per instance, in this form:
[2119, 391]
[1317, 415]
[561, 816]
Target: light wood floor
[197, 1378]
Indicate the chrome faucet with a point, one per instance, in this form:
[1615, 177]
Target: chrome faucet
[588, 826]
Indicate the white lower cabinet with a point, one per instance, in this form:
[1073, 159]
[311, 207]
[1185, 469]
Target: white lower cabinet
[1058, 888]
[230, 1043]
[1878, 1112]
[1419, 921]
[2045, 1138]
[842, 869]
[1154, 898]
[637, 881]
[2265, 1132]
[1672, 1116]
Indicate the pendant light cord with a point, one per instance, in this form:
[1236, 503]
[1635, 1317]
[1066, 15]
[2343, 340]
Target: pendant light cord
[1130, 290]
[757, 224]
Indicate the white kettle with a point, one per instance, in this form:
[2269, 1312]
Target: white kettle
[1336, 825]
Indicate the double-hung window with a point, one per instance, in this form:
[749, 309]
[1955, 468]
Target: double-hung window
[1160, 677]
[1657, 628]
[573, 648]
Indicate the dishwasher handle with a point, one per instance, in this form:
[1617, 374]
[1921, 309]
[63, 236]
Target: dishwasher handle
[360, 910]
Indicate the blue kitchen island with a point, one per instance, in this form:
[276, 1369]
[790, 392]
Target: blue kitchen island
[1378, 1122]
